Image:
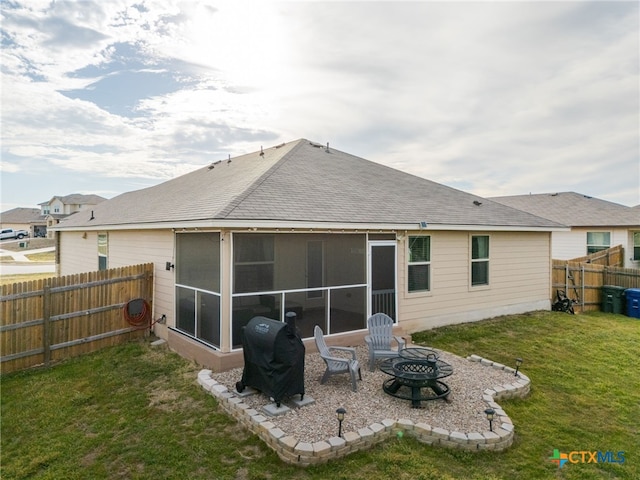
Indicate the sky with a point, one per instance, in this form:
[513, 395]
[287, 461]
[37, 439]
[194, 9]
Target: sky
[493, 98]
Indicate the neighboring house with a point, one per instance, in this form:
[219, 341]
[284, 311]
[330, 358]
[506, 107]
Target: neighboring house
[330, 236]
[59, 208]
[595, 224]
[28, 219]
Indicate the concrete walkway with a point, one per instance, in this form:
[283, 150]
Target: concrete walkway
[22, 255]
[21, 263]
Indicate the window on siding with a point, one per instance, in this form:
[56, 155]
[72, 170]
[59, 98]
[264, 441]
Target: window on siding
[479, 260]
[636, 246]
[597, 241]
[103, 251]
[419, 265]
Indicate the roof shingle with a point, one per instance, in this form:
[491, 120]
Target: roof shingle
[304, 182]
[574, 209]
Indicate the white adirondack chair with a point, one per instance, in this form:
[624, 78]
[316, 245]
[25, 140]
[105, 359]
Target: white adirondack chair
[336, 365]
[380, 339]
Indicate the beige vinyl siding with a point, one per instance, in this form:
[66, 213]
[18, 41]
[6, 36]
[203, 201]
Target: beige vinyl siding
[16, 226]
[78, 252]
[131, 247]
[519, 280]
[127, 247]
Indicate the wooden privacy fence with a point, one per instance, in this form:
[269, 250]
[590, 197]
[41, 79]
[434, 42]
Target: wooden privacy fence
[60, 317]
[583, 282]
[611, 257]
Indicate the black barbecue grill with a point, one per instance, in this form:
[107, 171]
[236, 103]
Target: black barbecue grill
[273, 358]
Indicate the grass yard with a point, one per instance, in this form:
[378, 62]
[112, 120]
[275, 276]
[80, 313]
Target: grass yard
[135, 412]
[32, 242]
[23, 277]
[42, 257]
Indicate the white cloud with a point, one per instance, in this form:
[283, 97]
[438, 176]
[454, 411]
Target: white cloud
[492, 97]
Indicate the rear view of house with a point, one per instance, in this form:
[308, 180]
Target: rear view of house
[303, 228]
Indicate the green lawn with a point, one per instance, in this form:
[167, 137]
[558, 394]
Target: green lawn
[135, 412]
[23, 277]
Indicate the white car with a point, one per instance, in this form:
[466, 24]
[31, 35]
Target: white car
[11, 233]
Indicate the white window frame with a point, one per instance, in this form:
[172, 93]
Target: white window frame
[486, 260]
[104, 254]
[599, 247]
[410, 264]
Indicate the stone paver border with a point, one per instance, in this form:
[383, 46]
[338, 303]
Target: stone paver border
[296, 452]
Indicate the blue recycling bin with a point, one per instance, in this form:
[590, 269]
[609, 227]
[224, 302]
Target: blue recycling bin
[633, 302]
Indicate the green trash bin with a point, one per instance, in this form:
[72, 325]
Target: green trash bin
[612, 299]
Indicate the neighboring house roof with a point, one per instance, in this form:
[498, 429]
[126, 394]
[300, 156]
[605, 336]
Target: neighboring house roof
[303, 182]
[76, 199]
[58, 216]
[21, 215]
[574, 209]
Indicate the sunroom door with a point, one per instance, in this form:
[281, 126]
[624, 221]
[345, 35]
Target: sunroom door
[382, 277]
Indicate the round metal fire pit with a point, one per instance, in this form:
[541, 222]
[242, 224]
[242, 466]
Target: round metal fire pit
[416, 379]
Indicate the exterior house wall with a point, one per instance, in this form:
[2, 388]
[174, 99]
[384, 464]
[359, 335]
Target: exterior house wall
[56, 207]
[78, 252]
[519, 279]
[519, 273]
[16, 226]
[629, 262]
[573, 244]
[129, 247]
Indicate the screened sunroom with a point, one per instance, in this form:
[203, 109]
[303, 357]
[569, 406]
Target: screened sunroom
[327, 279]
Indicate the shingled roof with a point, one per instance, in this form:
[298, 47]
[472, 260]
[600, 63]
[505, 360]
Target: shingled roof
[303, 182]
[77, 199]
[21, 215]
[574, 209]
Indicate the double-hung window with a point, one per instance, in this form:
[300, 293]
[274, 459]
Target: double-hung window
[479, 260]
[597, 241]
[636, 246]
[419, 264]
[103, 251]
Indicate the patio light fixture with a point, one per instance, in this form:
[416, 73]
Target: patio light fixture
[490, 412]
[518, 363]
[340, 412]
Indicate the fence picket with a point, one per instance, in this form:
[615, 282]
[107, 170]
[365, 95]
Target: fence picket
[590, 278]
[47, 320]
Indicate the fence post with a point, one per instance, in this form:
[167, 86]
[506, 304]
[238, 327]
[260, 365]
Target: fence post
[582, 287]
[46, 324]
